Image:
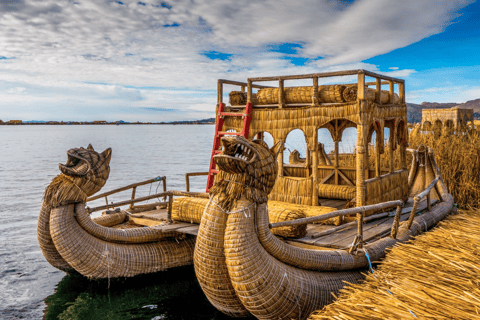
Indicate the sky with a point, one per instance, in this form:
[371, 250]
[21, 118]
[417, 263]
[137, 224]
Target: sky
[160, 60]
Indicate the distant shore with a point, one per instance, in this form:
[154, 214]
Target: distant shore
[37, 123]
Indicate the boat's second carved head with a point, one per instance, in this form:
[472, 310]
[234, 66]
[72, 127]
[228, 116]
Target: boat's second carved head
[84, 174]
[247, 168]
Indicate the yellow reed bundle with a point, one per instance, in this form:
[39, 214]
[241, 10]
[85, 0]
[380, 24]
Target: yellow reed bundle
[389, 187]
[350, 94]
[332, 191]
[279, 214]
[308, 210]
[332, 93]
[292, 190]
[188, 209]
[433, 277]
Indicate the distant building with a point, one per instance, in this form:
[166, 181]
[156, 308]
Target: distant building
[455, 118]
[100, 122]
[15, 122]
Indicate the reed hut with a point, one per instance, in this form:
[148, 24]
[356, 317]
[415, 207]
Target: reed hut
[453, 119]
[362, 105]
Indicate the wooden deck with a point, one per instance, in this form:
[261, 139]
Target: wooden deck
[340, 239]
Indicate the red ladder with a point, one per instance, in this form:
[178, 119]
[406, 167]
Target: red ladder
[247, 117]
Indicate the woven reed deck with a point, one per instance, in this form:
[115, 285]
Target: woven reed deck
[340, 239]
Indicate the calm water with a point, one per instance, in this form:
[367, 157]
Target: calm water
[29, 155]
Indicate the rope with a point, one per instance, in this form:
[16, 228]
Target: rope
[371, 270]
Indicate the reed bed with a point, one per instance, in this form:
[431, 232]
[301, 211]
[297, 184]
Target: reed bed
[457, 156]
[434, 276]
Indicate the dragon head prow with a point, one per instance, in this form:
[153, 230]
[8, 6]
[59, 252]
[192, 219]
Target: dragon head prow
[247, 168]
[84, 174]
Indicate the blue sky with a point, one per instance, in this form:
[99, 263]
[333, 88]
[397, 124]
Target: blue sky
[159, 60]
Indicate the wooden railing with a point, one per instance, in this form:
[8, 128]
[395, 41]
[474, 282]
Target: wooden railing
[134, 189]
[379, 81]
[192, 174]
[166, 194]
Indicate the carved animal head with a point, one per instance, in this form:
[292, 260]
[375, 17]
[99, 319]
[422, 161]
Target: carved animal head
[84, 174]
[247, 169]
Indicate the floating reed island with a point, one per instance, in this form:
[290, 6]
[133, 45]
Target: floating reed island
[267, 238]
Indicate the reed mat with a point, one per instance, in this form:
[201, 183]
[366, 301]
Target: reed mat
[434, 276]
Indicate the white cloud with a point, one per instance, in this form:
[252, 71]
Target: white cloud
[456, 94]
[105, 53]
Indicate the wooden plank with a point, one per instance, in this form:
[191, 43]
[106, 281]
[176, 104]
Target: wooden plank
[145, 222]
[346, 237]
[335, 240]
[193, 230]
[172, 227]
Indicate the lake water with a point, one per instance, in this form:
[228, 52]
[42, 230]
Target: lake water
[29, 155]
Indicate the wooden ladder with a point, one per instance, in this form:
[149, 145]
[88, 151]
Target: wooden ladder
[246, 116]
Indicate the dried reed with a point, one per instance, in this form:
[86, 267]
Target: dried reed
[433, 277]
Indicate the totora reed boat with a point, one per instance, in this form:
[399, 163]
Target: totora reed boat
[268, 238]
[352, 213]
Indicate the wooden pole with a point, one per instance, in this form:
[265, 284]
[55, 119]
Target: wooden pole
[378, 91]
[391, 91]
[315, 91]
[219, 92]
[280, 160]
[249, 90]
[315, 173]
[390, 149]
[361, 86]
[401, 92]
[360, 165]
[281, 95]
[337, 162]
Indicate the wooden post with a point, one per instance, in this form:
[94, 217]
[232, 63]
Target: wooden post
[337, 161]
[281, 95]
[401, 92]
[361, 86]
[377, 158]
[315, 175]
[219, 92]
[315, 91]
[360, 165]
[169, 210]
[164, 187]
[280, 160]
[242, 88]
[391, 91]
[249, 90]
[378, 91]
[187, 182]
[390, 150]
[134, 189]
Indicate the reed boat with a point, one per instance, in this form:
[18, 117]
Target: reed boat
[119, 243]
[348, 214]
[129, 238]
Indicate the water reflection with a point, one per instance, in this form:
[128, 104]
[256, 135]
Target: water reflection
[172, 294]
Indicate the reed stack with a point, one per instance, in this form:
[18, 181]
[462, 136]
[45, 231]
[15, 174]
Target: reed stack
[434, 276]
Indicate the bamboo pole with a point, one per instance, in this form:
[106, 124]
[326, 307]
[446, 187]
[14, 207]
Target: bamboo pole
[249, 90]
